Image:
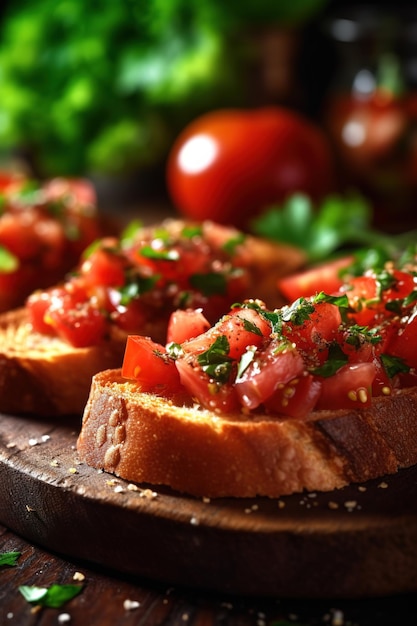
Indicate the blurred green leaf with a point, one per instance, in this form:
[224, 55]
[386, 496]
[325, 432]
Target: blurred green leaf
[338, 223]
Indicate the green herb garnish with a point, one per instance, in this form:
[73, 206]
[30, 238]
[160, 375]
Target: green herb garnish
[232, 243]
[8, 261]
[209, 284]
[298, 312]
[192, 231]
[394, 365]
[336, 359]
[245, 360]
[54, 596]
[136, 287]
[9, 558]
[215, 361]
[160, 255]
[129, 233]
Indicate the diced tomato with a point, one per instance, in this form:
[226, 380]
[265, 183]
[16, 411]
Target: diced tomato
[37, 306]
[148, 363]
[242, 327]
[315, 333]
[80, 189]
[296, 399]
[186, 324]
[324, 277]
[17, 234]
[349, 387]
[403, 344]
[402, 287]
[277, 365]
[130, 317]
[81, 326]
[104, 267]
[382, 384]
[211, 395]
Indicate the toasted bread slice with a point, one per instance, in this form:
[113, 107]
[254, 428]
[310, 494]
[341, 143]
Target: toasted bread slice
[147, 439]
[44, 375]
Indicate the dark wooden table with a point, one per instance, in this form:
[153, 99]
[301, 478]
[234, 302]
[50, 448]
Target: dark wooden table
[109, 599]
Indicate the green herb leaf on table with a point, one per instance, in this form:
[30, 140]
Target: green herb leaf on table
[9, 558]
[54, 596]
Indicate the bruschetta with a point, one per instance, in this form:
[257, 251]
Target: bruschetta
[44, 228]
[50, 348]
[314, 395]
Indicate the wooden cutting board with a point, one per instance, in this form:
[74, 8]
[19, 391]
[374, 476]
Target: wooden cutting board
[358, 541]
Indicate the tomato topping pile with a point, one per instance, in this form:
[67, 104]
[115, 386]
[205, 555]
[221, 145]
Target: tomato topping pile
[44, 227]
[320, 352]
[133, 283]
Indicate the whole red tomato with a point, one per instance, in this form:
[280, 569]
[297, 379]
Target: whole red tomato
[229, 164]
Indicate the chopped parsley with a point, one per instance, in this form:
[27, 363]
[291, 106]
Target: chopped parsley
[160, 255]
[336, 359]
[357, 335]
[9, 558]
[245, 360]
[215, 361]
[8, 261]
[232, 243]
[210, 284]
[137, 286]
[298, 312]
[394, 365]
[54, 596]
[189, 232]
[251, 327]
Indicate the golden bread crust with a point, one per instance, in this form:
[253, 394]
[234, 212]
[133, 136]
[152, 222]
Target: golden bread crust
[143, 438]
[43, 375]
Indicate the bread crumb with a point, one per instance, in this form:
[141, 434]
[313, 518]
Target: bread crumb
[64, 618]
[119, 489]
[131, 605]
[194, 521]
[350, 505]
[11, 444]
[54, 463]
[79, 576]
[333, 505]
[148, 493]
[362, 488]
[132, 487]
[383, 485]
[72, 470]
[206, 500]
[281, 504]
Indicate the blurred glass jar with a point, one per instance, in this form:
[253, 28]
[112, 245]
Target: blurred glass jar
[371, 111]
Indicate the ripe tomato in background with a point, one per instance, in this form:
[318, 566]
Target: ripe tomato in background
[230, 164]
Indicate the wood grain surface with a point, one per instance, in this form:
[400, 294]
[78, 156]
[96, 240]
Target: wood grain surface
[109, 599]
[356, 542]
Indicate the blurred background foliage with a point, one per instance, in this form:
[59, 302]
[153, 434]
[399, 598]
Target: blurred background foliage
[103, 87]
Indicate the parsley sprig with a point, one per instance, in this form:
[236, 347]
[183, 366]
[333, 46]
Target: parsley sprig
[338, 223]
